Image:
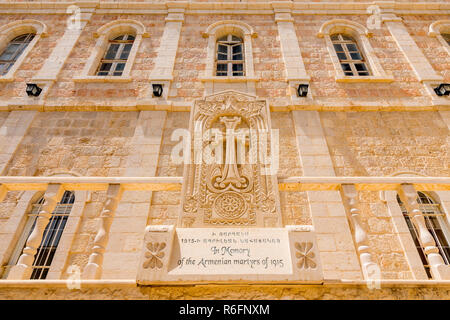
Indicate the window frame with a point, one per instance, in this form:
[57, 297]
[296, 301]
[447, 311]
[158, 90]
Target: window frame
[117, 58]
[31, 218]
[14, 29]
[230, 62]
[104, 34]
[22, 45]
[361, 35]
[430, 208]
[344, 43]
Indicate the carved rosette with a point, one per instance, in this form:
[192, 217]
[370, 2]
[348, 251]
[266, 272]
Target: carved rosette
[229, 185]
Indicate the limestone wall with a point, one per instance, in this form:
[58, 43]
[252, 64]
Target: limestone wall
[244, 292]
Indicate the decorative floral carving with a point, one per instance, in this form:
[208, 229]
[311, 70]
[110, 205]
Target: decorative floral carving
[154, 255]
[305, 255]
[230, 205]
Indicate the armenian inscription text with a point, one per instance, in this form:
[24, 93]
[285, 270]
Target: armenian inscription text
[231, 251]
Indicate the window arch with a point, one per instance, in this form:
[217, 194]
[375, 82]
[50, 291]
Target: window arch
[116, 56]
[441, 30]
[436, 224]
[17, 39]
[13, 51]
[51, 237]
[230, 56]
[351, 52]
[229, 35]
[115, 51]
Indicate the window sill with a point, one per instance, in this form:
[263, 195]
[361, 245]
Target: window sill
[6, 79]
[228, 79]
[353, 79]
[109, 79]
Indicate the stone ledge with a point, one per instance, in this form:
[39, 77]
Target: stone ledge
[110, 79]
[410, 290]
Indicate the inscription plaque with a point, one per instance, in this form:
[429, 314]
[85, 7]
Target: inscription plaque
[186, 255]
[231, 251]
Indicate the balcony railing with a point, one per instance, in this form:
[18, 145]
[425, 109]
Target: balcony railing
[54, 188]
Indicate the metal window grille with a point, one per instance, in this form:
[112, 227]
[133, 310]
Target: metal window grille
[116, 56]
[230, 56]
[351, 58]
[52, 233]
[13, 50]
[436, 225]
[446, 37]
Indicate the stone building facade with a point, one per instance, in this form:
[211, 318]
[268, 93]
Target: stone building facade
[364, 157]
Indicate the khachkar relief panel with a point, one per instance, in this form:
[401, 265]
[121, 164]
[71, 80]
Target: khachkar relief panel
[229, 227]
[230, 173]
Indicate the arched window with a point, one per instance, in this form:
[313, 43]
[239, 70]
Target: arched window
[446, 37]
[230, 56]
[436, 225]
[13, 50]
[350, 56]
[116, 56]
[51, 237]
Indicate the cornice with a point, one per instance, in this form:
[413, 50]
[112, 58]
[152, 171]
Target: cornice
[257, 7]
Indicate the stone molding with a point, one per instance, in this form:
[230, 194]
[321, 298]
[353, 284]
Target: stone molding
[14, 29]
[360, 35]
[104, 33]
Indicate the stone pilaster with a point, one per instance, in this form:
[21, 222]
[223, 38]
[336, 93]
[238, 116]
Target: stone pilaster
[337, 251]
[11, 134]
[128, 226]
[165, 61]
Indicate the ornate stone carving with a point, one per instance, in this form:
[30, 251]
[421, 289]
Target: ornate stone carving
[93, 269]
[305, 255]
[230, 181]
[351, 204]
[154, 255]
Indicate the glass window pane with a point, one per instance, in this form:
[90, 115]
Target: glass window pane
[126, 51]
[237, 57]
[238, 67]
[351, 47]
[3, 68]
[9, 52]
[224, 38]
[355, 56]
[237, 49]
[346, 67]
[222, 69]
[112, 51]
[338, 47]
[119, 37]
[222, 48]
[120, 67]
[347, 38]
[335, 37]
[234, 38]
[130, 37]
[221, 56]
[360, 67]
[105, 66]
[342, 56]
